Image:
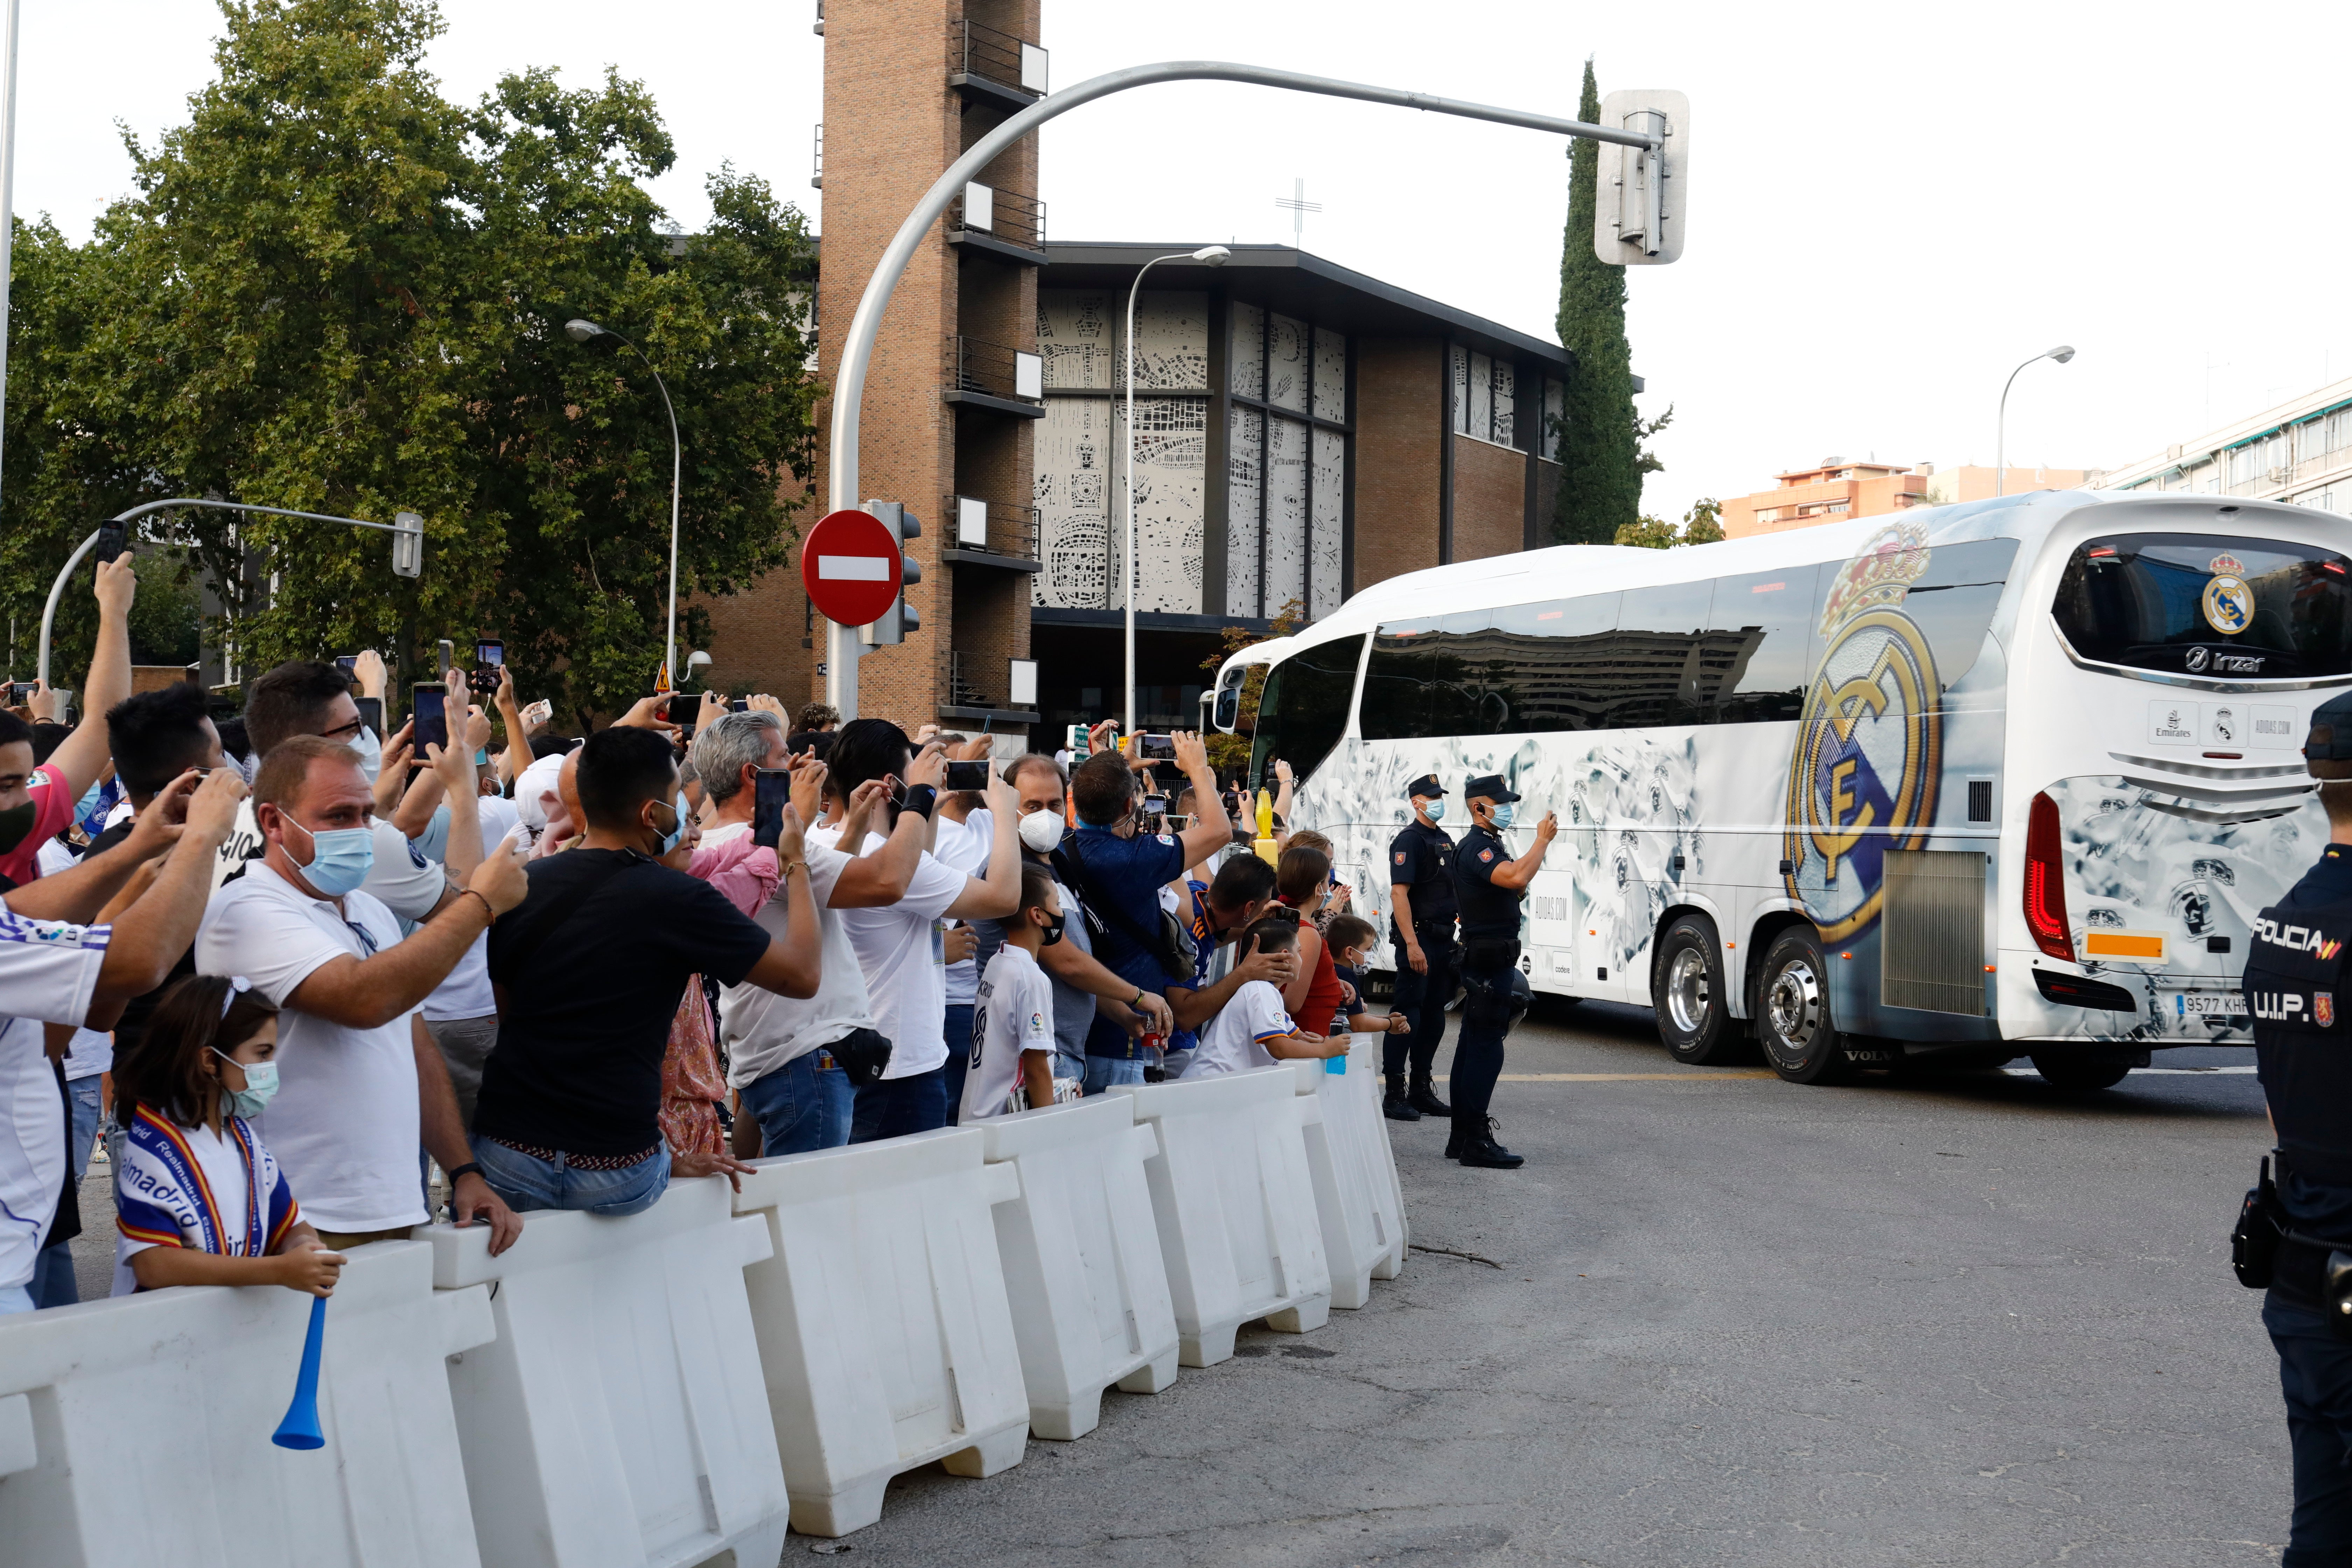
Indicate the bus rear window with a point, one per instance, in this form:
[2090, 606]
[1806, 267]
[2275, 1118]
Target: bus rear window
[2208, 605]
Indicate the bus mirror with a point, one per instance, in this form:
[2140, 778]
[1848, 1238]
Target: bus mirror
[1229, 703]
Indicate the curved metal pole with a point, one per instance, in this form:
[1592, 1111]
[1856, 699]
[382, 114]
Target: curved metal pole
[677, 463]
[2001, 429]
[865, 324]
[1127, 572]
[57, 588]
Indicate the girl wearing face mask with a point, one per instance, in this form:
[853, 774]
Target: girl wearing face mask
[198, 1198]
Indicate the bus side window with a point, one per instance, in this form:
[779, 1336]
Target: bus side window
[1558, 652]
[1762, 644]
[1657, 675]
[1396, 683]
[1954, 599]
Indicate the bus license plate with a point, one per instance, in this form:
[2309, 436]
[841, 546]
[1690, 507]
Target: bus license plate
[2210, 1004]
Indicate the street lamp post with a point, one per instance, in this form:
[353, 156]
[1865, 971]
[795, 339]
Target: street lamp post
[1207, 256]
[2061, 353]
[587, 332]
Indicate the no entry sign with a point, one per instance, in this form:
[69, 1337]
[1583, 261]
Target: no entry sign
[849, 564]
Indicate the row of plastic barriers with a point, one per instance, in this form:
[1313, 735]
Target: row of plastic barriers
[672, 1388]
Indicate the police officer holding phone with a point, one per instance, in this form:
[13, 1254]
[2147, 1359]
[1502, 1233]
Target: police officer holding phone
[1421, 926]
[2299, 990]
[1491, 886]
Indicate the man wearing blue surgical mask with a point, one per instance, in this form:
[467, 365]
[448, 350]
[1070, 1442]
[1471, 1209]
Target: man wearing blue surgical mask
[1490, 885]
[589, 972]
[364, 1086]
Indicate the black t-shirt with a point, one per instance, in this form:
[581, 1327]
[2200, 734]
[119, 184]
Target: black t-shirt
[1423, 859]
[1487, 910]
[584, 1016]
[132, 1027]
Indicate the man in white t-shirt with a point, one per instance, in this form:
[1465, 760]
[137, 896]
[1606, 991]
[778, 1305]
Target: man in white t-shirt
[778, 1048]
[57, 969]
[962, 829]
[305, 697]
[363, 1084]
[1252, 1031]
[898, 947]
[1013, 1028]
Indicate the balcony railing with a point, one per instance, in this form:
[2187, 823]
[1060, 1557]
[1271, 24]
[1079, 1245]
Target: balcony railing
[816, 176]
[1007, 214]
[977, 680]
[973, 366]
[983, 57]
[971, 523]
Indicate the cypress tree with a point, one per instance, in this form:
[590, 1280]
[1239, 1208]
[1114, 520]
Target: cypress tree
[1600, 436]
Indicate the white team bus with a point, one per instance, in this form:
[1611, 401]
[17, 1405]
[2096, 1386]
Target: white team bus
[2008, 778]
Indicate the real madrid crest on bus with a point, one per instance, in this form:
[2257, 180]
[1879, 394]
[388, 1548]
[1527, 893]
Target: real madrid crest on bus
[1869, 752]
[2228, 602]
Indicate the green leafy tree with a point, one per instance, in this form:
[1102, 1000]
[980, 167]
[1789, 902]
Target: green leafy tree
[1600, 436]
[337, 291]
[1699, 526]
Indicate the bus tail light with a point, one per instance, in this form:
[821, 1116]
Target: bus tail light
[2045, 880]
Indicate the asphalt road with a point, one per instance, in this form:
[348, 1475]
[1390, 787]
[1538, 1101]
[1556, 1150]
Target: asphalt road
[1717, 1317]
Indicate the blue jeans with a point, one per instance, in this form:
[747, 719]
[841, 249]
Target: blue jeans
[2316, 1377]
[52, 1283]
[805, 1104]
[896, 1106]
[1104, 1071]
[959, 1029]
[527, 1182]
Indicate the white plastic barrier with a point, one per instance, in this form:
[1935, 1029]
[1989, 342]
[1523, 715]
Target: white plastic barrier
[883, 1330]
[1082, 1267]
[1235, 1207]
[1355, 1176]
[146, 1437]
[615, 1421]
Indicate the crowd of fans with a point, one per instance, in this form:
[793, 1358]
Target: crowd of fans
[312, 983]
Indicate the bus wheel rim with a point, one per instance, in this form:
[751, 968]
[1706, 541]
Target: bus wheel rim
[1793, 1009]
[1688, 998]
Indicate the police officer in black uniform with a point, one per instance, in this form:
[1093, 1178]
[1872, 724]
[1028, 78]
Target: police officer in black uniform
[1421, 925]
[1490, 885]
[2299, 989]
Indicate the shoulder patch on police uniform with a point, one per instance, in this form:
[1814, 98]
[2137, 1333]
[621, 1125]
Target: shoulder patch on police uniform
[1399, 857]
[2322, 1007]
[1485, 854]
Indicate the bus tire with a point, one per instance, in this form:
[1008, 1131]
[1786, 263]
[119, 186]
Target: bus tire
[2072, 1072]
[1793, 1012]
[1687, 989]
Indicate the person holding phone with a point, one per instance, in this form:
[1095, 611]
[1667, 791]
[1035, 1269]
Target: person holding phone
[962, 833]
[780, 1051]
[62, 777]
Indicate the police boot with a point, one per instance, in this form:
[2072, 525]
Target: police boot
[1424, 1100]
[1394, 1105]
[1480, 1151]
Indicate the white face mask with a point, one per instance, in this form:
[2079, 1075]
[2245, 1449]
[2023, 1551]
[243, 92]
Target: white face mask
[371, 751]
[1041, 831]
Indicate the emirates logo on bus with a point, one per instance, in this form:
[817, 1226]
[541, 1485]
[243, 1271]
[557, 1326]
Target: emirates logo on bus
[1863, 777]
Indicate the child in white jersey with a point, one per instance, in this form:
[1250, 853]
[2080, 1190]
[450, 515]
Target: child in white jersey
[1012, 1018]
[1252, 1031]
[198, 1198]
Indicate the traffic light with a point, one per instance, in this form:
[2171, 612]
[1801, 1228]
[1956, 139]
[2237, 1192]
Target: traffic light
[900, 618]
[1641, 196]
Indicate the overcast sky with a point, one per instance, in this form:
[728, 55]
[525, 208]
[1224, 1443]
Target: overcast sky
[1890, 206]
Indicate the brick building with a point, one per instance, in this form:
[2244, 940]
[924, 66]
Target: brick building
[1303, 430]
[1836, 489]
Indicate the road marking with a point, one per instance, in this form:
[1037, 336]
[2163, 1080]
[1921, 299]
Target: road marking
[2178, 1072]
[1630, 1076]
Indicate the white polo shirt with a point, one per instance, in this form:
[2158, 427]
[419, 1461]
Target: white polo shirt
[898, 948]
[345, 1125]
[47, 973]
[763, 1031]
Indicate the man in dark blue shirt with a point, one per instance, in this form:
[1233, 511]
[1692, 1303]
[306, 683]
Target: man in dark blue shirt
[1117, 872]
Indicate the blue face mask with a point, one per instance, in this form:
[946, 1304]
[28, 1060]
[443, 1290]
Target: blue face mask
[261, 1087]
[678, 829]
[1502, 816]
[371, 751]
[341, 858]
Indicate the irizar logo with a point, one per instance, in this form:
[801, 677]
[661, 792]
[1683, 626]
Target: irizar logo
[2278, 1007]
[2296, 938]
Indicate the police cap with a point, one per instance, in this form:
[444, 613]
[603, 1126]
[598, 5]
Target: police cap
[1490, 786]
[1426, 787]
[2327, 749]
